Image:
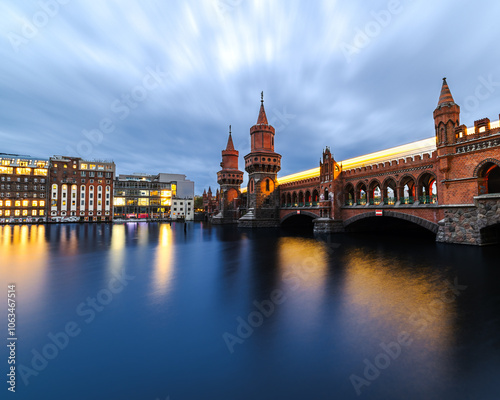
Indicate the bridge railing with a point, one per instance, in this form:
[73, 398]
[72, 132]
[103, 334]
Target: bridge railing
[428, 199]
[407, 200]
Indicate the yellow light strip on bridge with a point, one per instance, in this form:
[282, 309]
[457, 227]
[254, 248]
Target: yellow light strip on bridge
[393, 153]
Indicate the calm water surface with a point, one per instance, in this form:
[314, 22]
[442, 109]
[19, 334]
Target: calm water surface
[220, 313]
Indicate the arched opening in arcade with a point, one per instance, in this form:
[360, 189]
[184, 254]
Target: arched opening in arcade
[294, 199]
[389, 192]
[283, 200]
[361, 194]
[288, 200]
[375, 193]
[315, 197]
[489, 178]
[307, 198]
[301, 199]
[427, 189]
[349, 194]
[407, 194]
[490, 234]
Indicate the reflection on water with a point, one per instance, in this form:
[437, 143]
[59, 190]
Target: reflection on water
[24, 256]
[164, 261]
[342, 301]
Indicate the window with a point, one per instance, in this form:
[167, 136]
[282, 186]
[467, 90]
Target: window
[34, 213]
[42, 203]
[18, 203]
[83, 166]
[25, 203]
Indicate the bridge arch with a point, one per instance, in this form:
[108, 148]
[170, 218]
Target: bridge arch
[304, 218]
[431, 226]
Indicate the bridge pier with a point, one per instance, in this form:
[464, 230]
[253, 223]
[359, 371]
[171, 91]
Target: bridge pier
[328, 225]
[476, 224]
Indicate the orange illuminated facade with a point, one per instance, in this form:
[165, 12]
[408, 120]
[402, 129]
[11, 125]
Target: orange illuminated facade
[23, 188]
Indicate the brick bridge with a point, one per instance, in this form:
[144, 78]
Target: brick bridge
[448, 184]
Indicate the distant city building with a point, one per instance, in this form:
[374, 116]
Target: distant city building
[23, 188]
[81, 189]
[211, 203]
[182, 209]
[146, 196]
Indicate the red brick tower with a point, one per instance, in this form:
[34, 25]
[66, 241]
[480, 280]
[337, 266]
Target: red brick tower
[262, 165]
[230, 177]
[446, 120]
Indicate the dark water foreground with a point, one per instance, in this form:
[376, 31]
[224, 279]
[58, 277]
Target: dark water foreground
[148, 311]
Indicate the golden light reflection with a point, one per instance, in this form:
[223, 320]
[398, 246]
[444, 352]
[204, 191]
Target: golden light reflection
[24, 253]
[390, 297]
[303, 267]
[164, 261]
[117, 252]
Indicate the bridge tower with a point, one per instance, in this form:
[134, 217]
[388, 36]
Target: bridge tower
[230, 179]
[446, 121]
[262, 165]
[330, 197]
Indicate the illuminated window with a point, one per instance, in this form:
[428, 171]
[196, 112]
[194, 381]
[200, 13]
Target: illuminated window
[41, 212]
[65, 166]
[23, 163]
[40, 164]
[7, 213]
[40, 172]
[17, 213]
[35, 203]
[25, 212]
[166, 193]
[74, 166]
[83, 166]
[26, 203]
[42, 203]
[92, 166]
[55, 165]
[8, 203]
[143, 202]
[1, 213]
[18, 203]
[34, 213]
[166, 202]
[64, 202]
[119, 201]
[6, 162]
[1, 203]
[6, 170]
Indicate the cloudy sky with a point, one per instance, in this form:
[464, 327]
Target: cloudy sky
[154, 85]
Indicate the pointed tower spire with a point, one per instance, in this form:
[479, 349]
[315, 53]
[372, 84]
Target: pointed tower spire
[230, 145]
[262, 120]
[445, 96]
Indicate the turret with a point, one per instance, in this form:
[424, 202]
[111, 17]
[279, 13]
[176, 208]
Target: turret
[446, 117]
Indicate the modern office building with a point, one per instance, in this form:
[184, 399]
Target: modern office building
[23, 188]
[81, 189]
[145, 196]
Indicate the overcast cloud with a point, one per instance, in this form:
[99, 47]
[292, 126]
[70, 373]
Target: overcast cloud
[163, 80]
